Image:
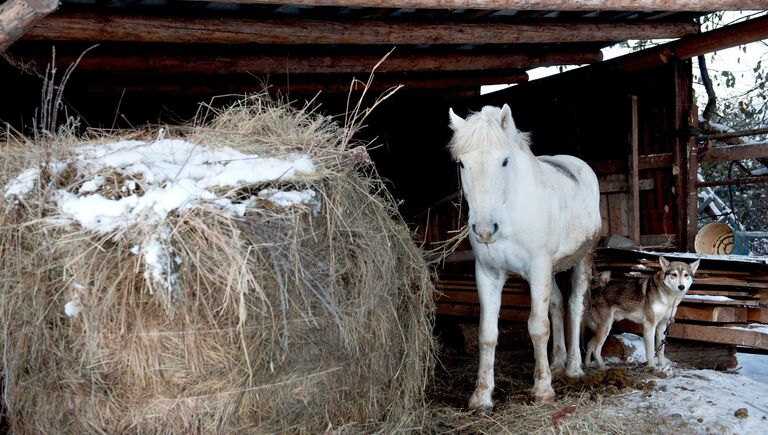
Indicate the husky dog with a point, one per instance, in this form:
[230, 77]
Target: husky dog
[651, 302]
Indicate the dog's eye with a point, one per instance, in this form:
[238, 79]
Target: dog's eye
[505, 162]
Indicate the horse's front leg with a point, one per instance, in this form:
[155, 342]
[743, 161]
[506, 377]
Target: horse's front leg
[580, 279]
[489, 285]
[540, 280]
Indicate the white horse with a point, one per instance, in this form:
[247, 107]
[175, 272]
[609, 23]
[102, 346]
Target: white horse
[533, 216]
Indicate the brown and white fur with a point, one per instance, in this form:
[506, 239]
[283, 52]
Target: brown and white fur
[652, 302]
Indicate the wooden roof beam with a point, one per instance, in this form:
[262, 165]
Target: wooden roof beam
[307, 84]
[100, 27]
[328, 64]
[536, 5]
[691, 46]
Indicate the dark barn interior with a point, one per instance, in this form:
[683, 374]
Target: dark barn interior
[631, 118]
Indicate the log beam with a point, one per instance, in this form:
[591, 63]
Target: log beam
[101, 27]
[330, 64]
[18, 16]
[735, 152]
[306, 84]
[536, 5]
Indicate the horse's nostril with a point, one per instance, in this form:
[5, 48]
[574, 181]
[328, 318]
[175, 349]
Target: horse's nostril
[495, 227]
[681, 287]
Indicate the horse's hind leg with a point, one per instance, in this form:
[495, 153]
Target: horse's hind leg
[558, 334]
[580, 279]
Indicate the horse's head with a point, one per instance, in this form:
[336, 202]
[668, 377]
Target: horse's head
[488, 148]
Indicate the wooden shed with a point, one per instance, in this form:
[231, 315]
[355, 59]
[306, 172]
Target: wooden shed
[632, 118]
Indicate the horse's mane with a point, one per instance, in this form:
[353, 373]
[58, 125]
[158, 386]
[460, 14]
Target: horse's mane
[483, 131]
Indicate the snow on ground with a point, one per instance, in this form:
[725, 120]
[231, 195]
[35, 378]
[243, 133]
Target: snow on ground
[696, 401]
[754, 366]
[699, 401]
[162, 177]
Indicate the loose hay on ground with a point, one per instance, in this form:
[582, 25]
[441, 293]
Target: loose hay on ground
[298, 318]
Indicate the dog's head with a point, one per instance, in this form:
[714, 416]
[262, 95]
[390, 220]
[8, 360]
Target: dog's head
[678, 275]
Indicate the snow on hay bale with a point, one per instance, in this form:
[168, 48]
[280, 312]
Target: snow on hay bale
[248, 275]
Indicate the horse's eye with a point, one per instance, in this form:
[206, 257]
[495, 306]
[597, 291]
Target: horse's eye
[461, 165]
[505, 162]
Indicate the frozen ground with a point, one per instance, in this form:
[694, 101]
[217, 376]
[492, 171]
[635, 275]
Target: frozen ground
[700, 401]
[754, 366]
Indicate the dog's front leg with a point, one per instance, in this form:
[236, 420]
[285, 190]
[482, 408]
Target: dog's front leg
[649, 337]
[660, 329]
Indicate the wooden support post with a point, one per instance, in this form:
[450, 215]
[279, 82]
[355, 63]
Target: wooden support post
[18, 16]
[692, 212]
[633, 177]
[680, 151]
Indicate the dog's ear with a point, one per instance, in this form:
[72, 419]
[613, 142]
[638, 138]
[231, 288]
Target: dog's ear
[603, 278]
[695, 266]
[664, 264]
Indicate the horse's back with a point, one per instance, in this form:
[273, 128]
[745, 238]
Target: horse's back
[570, 174]
[577, 191]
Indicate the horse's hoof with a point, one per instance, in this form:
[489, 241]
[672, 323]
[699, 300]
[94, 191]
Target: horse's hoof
[575, 373]
[544, 397]
[557, 370]
[480, 402]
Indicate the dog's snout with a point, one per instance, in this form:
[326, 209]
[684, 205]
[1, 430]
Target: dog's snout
[681, 287]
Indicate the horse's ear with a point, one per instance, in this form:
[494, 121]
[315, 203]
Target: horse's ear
[505, 118]
[456, 121]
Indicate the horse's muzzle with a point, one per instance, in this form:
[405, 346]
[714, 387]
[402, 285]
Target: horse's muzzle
[485, 235]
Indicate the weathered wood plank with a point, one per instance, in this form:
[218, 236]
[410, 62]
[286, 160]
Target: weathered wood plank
[322, 64]
[507, 299]
[717, 334]
[691, 299]
[757, 315]
[616, 186]
[535, 5]
[511, 314]
[712, 314]
[735, 152]
[102, 27]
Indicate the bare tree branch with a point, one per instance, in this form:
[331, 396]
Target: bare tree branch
[707, 82]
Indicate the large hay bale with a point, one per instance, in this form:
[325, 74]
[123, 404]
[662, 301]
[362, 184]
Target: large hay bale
[143, 300]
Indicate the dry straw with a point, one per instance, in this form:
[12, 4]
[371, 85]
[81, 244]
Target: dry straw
[285, 320]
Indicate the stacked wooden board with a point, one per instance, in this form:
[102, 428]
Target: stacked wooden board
[728, 302]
